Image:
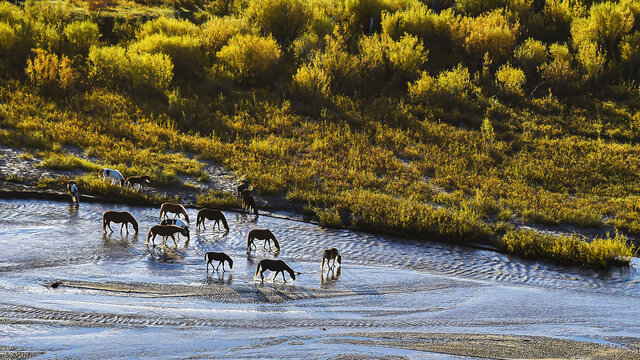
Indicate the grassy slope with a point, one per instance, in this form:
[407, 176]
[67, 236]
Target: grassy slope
[375, 163]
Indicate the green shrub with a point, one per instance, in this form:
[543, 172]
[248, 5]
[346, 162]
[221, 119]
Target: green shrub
[285, 20]
[592, 59]
[382, 58]
[342, 67]
[67, 162]
[81, 35]
[16, 37]
[607, 23]
[216, 32]
[630, 52]
[50, 73]
[328, 217]
[449, 88]
[491, 33]
[558, 73]
[251, 58]
[117, 68]
[311, 82]
[168, 27]
[510, 80]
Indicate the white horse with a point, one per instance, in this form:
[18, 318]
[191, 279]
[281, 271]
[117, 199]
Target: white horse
[115, 175]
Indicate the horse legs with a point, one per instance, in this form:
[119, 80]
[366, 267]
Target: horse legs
[109, 226]
[174, 240]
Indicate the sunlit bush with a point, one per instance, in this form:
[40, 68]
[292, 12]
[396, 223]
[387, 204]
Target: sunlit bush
[251, 58]
[419, 20]
[630, 51]
[167, 26]
[592, 59]
[341, 66]
[216, 32]
[16, 36]
[607, 23]
[450, 87]
[311, 82]
[117, 68]
[81, 35]
[559, 73]
[282, 19]
[382, 58]
[510, 80]
[185, 52]
[491, 33]
[49, 73]
[530, 55]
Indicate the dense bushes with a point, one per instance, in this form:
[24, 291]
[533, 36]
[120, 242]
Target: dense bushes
[50, 73]
[251, 58]
[282, 19]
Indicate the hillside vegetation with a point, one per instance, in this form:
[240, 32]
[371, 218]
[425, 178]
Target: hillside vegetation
[450, 120]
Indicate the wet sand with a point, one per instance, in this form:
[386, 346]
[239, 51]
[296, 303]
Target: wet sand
[66, 290]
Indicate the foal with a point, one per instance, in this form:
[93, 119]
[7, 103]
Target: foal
[123, 217]
[278, 266]
[248, 202]
[217, 256]
[115, 175]
[138, 180]
[262, 234]
[176, 209]
[72, 189]
[331, 254]
[166, 231]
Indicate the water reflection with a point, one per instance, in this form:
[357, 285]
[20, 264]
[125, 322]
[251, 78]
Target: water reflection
[331, 276]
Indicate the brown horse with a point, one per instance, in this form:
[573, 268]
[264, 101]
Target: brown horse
[176, 209]
[72, 189]
[244, 185]
[123, 217]
[137, 180]
[166, 231]
[248, 202]
[331, 254]
[278, 266]
[217, 256]
[210, 214]
[262, 234]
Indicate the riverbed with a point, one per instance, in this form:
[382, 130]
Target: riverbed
[115, 297]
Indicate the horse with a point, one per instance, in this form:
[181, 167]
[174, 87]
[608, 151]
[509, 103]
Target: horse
[115, 175]
[262, 234]
[72, 189]
[278, 266]
[173, 208]
[216, 215]
[166, 231]
[177, 222]
[331, 254]
[217, 256]
[138, 180]
[248, 202]
[123, 217]
[244, 185]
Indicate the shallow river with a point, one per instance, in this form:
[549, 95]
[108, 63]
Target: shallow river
[118, 298]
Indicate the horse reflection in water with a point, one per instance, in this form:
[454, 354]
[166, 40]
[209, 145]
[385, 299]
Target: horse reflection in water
[331, 276]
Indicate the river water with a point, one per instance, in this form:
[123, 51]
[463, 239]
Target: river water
[119, 298]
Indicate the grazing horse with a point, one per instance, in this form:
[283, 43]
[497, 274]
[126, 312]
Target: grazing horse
[216, 215]
[278, 266]
[244, 185]
[177, 222]
[176, 209]
[331, 254]
[166, 231]
[138, 180]
[248, 202]
[262, 234]
[115, 175]
[72, 189]
[123, 217]
[217, 256]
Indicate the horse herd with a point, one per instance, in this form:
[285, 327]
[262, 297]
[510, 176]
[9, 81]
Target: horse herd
[172, 227]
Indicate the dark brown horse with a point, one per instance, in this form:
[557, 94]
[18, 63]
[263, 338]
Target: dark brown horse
[331, 254]
[244, 185]
[217, 256]
[166, 231]
[72, 189]
[278, 266]
[210, 214]
[138, 180]
[176, 209]
[262, 234]
[248, 202]
[123, 217]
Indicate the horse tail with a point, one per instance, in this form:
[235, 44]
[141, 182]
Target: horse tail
[257, 269]
[323, 257]
[205, 256]
[255, 209]
[224, 221]
[161, 211]
[149, 235]
[104, 224]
